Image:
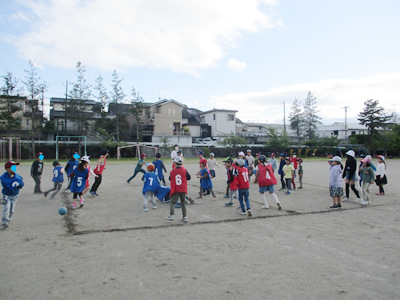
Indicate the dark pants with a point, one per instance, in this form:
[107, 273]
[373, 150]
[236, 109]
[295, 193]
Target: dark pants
[134, 174]
[283, 180]
[56, 188]
[37, 183]
[70, 179]
[97, 181]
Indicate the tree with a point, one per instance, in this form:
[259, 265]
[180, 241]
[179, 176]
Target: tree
[8, 103]
[373, 117]
[232, 142]
[277, 142]
[34, 89]
[102, 97]
[311, 119]
[79, 94]
[296, 119]
[117, 97]
[137, 110]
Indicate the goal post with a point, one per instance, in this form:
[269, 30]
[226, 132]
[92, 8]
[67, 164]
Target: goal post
[66, 142]
[9, 146]
[139, 149]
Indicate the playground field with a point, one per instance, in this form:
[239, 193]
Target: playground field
[111, 249]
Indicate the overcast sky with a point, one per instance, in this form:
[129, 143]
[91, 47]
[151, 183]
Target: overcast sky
[247, 55]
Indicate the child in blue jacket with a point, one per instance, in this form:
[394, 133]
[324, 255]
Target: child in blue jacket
[150, 187]
[11, 183]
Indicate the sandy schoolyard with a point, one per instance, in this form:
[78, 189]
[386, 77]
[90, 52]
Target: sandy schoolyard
[110, 249]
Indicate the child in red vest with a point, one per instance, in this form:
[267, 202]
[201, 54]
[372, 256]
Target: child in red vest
[232, 180]
[244, 185]
[178, 178]
[266, 181]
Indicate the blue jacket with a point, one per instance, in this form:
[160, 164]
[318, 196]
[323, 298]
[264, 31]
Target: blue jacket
[282, 163]
[151, 182]
[205, 182]
[57, 175]
[11, 185]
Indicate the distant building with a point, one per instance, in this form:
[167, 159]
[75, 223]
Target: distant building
[222, 121]
[339, 130]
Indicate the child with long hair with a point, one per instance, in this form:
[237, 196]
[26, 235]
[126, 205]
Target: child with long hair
[336, 181]
[381, 179]
[367, 175]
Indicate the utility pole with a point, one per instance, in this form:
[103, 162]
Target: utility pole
[284, 117]
[66, 107]
[345, 122]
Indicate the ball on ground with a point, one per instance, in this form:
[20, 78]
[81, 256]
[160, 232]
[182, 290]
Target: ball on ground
[62, 211]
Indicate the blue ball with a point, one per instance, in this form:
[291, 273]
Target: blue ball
[62, 211]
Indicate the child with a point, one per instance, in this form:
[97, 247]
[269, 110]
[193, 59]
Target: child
[205, 181]
[36, 172]
[11, 183]
[244, 185]
[336, 181]
[350, 174]
[266, 181]
[178, 177]
[202, 160]
[367, 175]
[282, 163]
[159, 167]
[87, 184]
[288, 171]
[232, 181]
[150, 187]
[98, 170]
[80, 175]
[212, 163]
[138, 168]
[300, 172]
[250, 162]
[293, 159]
[69, 168]
[272, 161]
[58, 179]
[381, 179]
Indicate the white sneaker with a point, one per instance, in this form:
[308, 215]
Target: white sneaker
[154, 206]
[364, 202]
[145, 209]
[358, 200]
[184, 219]
[345, 200]
[369, 202]
[171, 217]
[265, 206]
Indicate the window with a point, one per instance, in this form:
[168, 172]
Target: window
[202, 119]
[173, 111]
[169, 111]
[353, 132]
[336, 132]
[214, 117]
[231, 117]
[27, 122]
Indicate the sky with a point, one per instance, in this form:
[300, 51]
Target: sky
[253, 56]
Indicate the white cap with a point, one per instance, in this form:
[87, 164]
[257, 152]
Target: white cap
[381, 157]
[86, 158]
[241, 153]
[336, 158]
[178, 160]
[212, 154]
[351, 153]
[249, 150]
[240, 162]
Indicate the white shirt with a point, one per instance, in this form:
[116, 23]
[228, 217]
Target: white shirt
[380, 169]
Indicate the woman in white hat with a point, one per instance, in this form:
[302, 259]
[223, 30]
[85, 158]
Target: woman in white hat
[350, 175]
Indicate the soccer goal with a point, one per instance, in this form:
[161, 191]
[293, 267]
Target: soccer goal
[10, 147]
[136, 150]
[66, 145]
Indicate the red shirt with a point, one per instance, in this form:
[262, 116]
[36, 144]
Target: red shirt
[178, 180]
[266, 175]
[100, 170]
[243, 178]
[233, 186]
[294, 161]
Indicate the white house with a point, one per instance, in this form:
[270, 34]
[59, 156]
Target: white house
[222, 121]
[339, 130]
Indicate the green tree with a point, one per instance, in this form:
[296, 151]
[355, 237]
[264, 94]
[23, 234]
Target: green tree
[232, 142]
[373, 117]
[277, 142]
[296, 119]
[101, 96]
[9, 103]
[35, 89]
[311, 119]
[137, 110]
[77, 106]
[117, 97]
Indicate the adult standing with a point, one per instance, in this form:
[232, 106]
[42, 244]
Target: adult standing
[98, 170]
[174, 153]
[350, 174]
[36, 172]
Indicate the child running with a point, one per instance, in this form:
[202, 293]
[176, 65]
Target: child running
[367, 175]
[244, 185]
[381, 179]
[336, 181]
[69, 168]
[80, 175]
[11, 183]
[232, 181]
[159, 167]
[288, 171]
[205, 181]
[139, 166]
[178, 177]
[98, 170]
[150, 187]
[266, 181]
[58, 179]
[300, 172]
[87, 185]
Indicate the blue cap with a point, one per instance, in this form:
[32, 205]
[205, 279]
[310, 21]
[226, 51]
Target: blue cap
[200, 152]
[282, 154]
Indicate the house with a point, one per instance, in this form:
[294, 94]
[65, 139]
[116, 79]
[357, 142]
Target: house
[341, 130]
[221, 121]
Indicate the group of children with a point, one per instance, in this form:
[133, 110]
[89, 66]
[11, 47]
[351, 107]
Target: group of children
[367, 175]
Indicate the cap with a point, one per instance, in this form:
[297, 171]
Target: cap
[212, 154]
[336, 158]
[365, 160]
[240, 162]
[9, 164]
[179, 151]
[150, 167]
[369, 157]
[228, 159]
[257, 154]
[203, 161]
[143, 155]
[282, 154]
[288, 158]
[272, 154]
[381, 157]
[299, 160]
[86, 158]
[351, 153]
[241, 153]
[200, 152]
[249, 150]
[38, 154]
[178, 160]
[55, 163]
[362, 155]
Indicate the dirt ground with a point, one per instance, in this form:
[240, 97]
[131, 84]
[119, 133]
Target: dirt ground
[110, 249]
